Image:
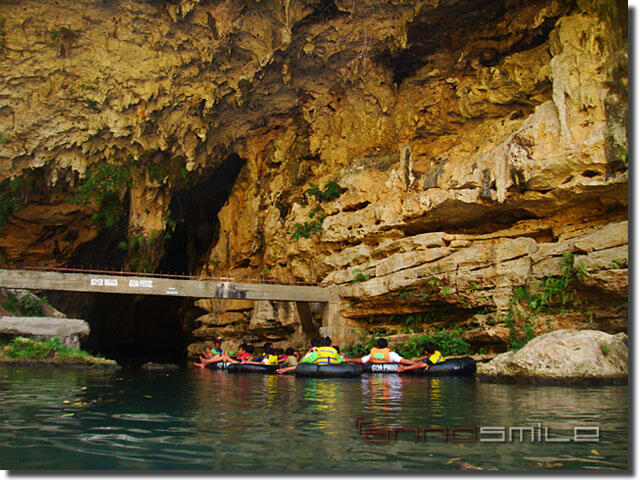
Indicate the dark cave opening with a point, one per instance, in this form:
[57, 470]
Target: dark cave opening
[195, 211]
[448, 27]
[134, 329]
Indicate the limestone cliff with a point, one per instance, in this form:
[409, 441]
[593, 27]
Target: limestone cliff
[473, 142]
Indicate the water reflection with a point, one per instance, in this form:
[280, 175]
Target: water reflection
[212, 419]
[435, 397]
[383, 392]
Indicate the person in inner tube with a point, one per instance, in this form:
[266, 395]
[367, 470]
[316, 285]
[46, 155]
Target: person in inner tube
[211, 355]
[309, 357]
[381, 354]
[289, 358]
[243, 353]
[268, 358]
[431, 356]
[326, 354]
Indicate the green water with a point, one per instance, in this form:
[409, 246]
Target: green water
[192, 419]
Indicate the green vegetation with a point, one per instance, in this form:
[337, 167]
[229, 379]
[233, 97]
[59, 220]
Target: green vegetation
[415, 321]
[9, 198]
[556, 290]
[619, 263]
[135, 242]
[25, 306]
[362, 347]
[405, 294]
[23, 348]
[449, 342]
[103, 186]
[619, 149]
[51, 350]
[306, 229]
[330, 192]
[92, 105]
[170, 170]
[359, 276]
[439, 285]
[185, 175]
[140, 249]
[468, 295]
[277, 251]
[553, 293]
[521, 326]
[4, 138]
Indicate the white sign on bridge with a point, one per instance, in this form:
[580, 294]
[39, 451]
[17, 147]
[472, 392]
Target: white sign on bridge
[141, 283]
[196, 288]
[104, 282]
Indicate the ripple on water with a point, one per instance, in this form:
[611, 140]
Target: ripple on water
[215, 420]
[144, 417]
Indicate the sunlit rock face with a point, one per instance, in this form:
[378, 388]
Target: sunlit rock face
[475, 143]
[564, 357]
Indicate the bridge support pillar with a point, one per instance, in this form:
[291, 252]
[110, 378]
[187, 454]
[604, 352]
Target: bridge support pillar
[341, 330]
[306, 319]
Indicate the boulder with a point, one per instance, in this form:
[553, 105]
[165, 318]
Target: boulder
[563, 357]
[160, 367]
[70, 330]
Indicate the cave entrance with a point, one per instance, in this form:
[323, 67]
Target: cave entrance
[135, 329]
[195, 212]
[164, 324]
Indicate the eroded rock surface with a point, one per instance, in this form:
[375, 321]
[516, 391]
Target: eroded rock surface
[475, 143]
[563, 356]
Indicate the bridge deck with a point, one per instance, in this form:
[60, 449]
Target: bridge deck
[141, 285]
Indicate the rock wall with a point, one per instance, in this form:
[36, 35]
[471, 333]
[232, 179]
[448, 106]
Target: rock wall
[475, 143]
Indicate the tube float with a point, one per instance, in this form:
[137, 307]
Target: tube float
[338, 370]
[451, 366]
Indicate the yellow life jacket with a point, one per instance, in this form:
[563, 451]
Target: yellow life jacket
[434, 358]
[272, 359]
[379, 355]
[326, 356]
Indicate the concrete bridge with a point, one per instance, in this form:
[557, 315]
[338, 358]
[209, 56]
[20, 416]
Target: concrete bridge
[166, 285]
[140, 284]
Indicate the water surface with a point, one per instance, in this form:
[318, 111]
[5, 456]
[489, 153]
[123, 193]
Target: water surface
[192, 419]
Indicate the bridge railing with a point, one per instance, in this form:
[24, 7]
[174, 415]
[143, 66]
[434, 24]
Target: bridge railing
[172, 275]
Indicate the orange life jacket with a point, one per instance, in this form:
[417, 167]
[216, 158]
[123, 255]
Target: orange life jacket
[379, 355]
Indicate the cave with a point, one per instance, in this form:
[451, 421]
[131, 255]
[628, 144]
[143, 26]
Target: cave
[195, 213]
[134, 329]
